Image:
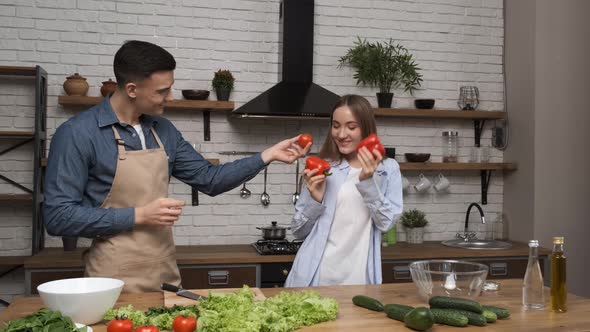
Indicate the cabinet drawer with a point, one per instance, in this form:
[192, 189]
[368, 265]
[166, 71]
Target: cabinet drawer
[37, 277]
[222, 276]
[396, 272]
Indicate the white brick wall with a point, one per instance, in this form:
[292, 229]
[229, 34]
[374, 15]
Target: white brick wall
[455, 42]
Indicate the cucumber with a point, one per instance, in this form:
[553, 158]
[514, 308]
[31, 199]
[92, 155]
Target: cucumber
[367, 302]
[419, 319]
[501, 313]
[397, 311]
[444, 302]
[490, 316]
[449, 317]
[472, 317]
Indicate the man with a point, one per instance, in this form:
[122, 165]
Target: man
[109, 168]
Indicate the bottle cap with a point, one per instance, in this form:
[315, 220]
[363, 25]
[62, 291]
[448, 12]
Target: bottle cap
[533, 243]
[558, 240]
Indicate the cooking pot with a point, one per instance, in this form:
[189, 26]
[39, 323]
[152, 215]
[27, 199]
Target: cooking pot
[273, 232]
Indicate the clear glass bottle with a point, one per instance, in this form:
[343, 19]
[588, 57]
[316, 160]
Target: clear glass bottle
[450, 146]
[532, 287]
[558, 284]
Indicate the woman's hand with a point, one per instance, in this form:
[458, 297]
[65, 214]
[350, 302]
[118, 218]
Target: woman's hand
[316, 184]
[369, 162]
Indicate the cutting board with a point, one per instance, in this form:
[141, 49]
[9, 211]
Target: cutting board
[171, 299]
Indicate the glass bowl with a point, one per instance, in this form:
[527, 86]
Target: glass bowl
[439, 277]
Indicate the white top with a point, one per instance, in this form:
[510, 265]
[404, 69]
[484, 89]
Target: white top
[140, 134]
[344, 261]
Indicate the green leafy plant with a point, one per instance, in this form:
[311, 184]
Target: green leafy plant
[384, 65]
[223, 79]
[413, 218]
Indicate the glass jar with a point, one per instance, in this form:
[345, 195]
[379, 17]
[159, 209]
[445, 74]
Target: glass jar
[450, 146]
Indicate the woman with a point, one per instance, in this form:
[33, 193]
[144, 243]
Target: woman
[341, 216]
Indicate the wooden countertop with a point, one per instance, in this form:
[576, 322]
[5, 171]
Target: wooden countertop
[246, 254]
[353, 318]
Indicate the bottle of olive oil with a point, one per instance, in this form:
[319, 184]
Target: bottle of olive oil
[558, 285]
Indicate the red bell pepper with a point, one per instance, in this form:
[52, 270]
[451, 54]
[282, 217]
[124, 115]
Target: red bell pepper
[315, 162]
[371, 142]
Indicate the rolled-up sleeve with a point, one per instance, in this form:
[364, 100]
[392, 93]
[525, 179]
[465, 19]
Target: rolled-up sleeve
[65, 212]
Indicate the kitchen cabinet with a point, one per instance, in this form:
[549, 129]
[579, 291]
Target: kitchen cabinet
[499, 268]
[38, 137]
[274, 275]
[219, 276]
[37, 277]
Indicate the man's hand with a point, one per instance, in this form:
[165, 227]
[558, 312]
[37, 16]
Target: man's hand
[161, 212]
[286, 151]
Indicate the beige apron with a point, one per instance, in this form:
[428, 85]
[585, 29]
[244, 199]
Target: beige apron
[145, 257]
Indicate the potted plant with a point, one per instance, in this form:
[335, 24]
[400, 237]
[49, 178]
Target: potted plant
[384, 65]
[414, 222]
[223, 83]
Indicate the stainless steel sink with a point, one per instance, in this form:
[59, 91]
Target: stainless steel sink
[475, 244]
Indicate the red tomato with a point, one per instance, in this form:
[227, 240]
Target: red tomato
[120, 324]
[147, 328]
[371, 142]
[304, 139]
[184, 324]
[315, 162]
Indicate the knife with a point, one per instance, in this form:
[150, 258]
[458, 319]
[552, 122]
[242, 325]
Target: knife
[182, 292]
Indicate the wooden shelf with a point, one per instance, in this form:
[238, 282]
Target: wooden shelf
[16, 197]
[17, 134]
[456, 166]
[179, 104]
[438, 114]
[18, 71]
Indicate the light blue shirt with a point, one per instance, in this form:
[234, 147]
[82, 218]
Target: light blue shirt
[382, 193]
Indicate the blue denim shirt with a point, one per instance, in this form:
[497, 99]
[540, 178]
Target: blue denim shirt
[382, 194]
[82, 162]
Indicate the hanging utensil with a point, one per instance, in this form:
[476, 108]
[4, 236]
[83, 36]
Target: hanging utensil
[296, 194]
[245, 192]
[265, 198]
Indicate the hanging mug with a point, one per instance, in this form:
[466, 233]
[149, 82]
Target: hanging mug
[442, 184]
[423, 184]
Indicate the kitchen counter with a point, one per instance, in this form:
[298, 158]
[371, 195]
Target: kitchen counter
[246, 254]
[353, 318]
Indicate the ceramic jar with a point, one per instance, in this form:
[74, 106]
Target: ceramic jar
[108, 87]
[415, 235]
[76, 85]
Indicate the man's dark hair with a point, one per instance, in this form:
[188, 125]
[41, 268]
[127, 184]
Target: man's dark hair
[136, 60]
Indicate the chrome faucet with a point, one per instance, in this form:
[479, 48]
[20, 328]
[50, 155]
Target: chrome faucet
[467, 236]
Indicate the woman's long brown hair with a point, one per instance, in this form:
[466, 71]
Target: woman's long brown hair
[363, 114]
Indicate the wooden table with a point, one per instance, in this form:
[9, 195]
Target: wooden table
[352, 318]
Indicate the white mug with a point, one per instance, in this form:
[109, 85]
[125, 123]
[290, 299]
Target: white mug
[423, 184]
[442, 184]
[405, 183]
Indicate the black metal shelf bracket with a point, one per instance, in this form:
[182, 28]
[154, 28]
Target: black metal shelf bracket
[485, 183]
[478, 128]
[207, 125]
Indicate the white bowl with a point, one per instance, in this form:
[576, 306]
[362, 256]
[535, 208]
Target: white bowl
[85, 300]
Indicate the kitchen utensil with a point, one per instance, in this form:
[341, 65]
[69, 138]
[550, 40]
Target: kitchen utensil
[182, 292]
[245, 192]
[417, 157]
[76, 85]
[450, 146]
[265, 198]
[85, 300]
[296, 194]
[273, 232]
[108, 87]
[195, 94]
[423, 185]
[443, 183]
[424, 104]
[456, 278]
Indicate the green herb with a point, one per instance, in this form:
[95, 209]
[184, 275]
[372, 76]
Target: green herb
[43, 320]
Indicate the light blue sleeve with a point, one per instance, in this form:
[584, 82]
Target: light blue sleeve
[382, 193]
[307, 212]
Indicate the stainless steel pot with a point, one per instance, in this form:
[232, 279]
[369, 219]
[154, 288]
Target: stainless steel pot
[273, 232]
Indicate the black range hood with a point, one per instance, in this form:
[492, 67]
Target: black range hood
[296, 96]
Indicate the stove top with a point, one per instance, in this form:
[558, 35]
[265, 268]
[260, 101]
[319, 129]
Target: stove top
[277, 247]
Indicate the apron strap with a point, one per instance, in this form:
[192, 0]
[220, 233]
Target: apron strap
[120, 143]
[157, 138]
